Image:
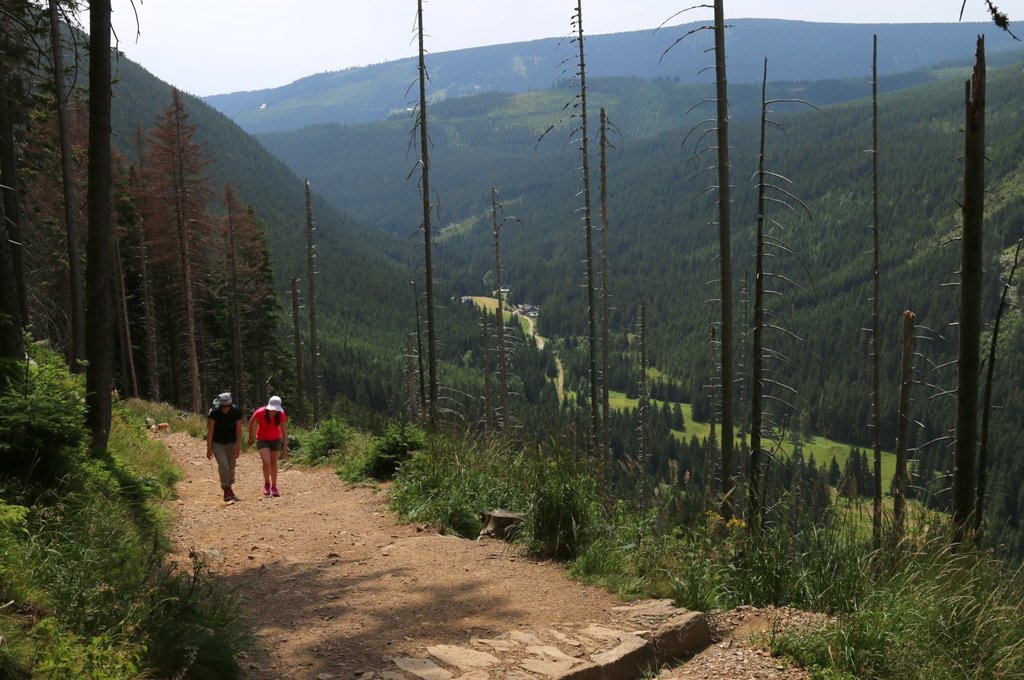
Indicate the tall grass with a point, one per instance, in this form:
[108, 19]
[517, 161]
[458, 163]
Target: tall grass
[933, 613]
[450, 482]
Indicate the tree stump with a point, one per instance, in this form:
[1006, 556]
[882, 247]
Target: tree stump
[501, 524]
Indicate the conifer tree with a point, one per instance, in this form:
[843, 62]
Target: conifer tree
[76, 312]
[99, 272]
[177, 164]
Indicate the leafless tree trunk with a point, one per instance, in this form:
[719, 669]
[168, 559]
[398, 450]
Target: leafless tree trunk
[428, 262]
[606, 447]
[99, 273]
[986, 406]
[485, 321]
[314, 345]
[77, 311]
[725, 262]
[756, 511]
[237, 348]
[876, 308]
[300, 389]
[643, 411]
[419, 351]
[899, 501]
[595, 416]
[410, 380]
[499, 318]
[968, 356]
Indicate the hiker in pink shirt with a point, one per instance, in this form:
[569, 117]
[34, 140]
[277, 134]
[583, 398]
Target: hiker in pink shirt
[269, 430]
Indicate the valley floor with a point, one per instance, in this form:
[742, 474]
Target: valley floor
[335, 588]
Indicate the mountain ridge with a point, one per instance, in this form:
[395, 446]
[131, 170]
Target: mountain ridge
[362, 94]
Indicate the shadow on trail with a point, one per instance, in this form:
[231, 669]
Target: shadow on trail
[354, 623]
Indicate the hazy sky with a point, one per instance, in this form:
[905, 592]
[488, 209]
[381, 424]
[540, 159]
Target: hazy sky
[215, 46]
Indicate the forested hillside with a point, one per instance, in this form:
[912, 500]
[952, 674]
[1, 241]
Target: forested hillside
[663, 248]
[365, 310]
[797, 50]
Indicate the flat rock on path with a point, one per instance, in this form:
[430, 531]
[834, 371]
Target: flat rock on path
[334, 588]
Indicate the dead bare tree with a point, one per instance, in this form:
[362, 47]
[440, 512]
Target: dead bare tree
[606, 447]
[969, 331]
[300, 389]
[876, 308]
[595, 417]
[485, 321]
[643, 411]
[899, 483]
[499, 318]
[314, 345]
[986, 405]
[428, 262]
[769, 190]
[724, 193]
[419, 350]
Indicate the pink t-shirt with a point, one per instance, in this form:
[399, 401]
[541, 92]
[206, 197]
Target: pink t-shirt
[268, 431]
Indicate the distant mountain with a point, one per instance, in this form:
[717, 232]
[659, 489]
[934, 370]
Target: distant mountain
[662, 246]
[796, 51]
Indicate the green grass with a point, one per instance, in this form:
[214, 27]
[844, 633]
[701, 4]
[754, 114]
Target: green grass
[86, 588]
[822, 448]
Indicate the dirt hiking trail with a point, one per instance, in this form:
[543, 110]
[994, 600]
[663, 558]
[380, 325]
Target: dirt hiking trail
[335, 588]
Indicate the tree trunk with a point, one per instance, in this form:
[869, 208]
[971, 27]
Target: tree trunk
[410, 378]
[899, 486]
[99, 273]
[128, 355]
[237, 359]
[756, 512]
[876, 309]
[725, 263]
[986, 406]
[428, 262]
[9, 188]
[643, 411]
[11, 343]
[499, 318]
[595, 417]
[606, 447]
[77, 312]
[314, 345]
[185, 259]
[419, 351]
[485, 321]
[968, 356]
[152, 343]
[297, 334]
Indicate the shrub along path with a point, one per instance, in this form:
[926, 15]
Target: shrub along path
[335, 588]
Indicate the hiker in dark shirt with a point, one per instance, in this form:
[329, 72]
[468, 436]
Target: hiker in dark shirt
[224, 440]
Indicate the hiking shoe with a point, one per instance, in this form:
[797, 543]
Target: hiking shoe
[274, 492]
[266, 489]
[229, 495]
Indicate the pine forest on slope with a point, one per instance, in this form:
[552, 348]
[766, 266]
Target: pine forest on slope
[657, 228]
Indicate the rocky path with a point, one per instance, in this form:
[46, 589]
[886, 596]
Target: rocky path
[336, 589]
